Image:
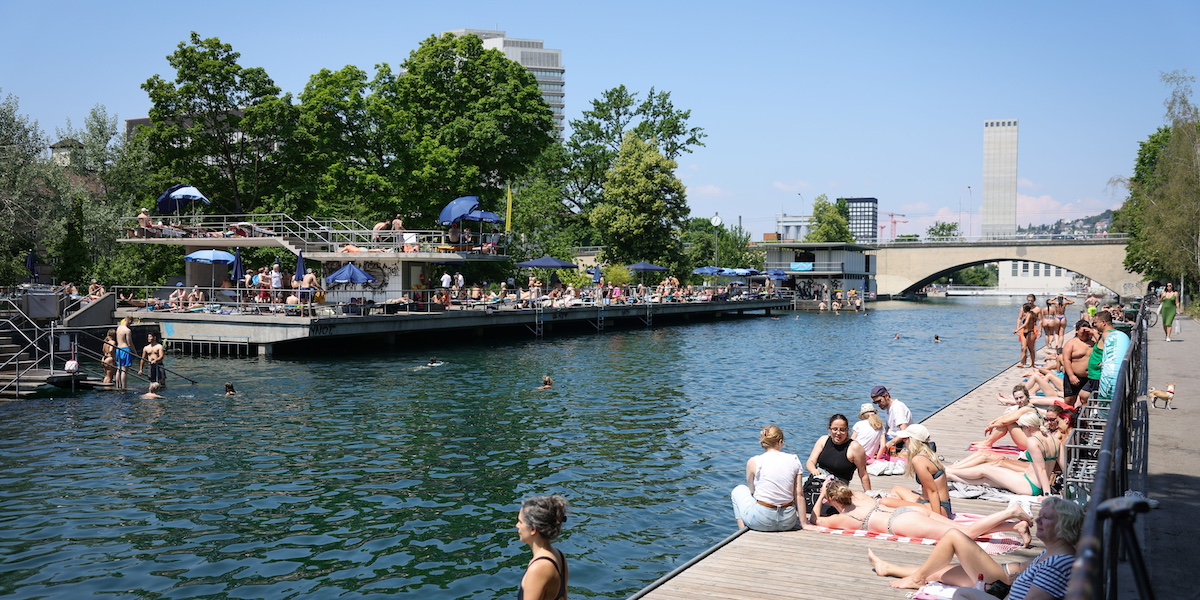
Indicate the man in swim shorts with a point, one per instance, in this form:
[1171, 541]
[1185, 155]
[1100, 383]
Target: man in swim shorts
[1076, 353]
[124, 354]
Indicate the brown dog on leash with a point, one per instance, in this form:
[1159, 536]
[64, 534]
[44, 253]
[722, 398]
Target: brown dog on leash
[1166, 396]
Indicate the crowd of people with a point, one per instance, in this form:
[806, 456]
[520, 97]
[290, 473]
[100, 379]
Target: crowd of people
[776, 496]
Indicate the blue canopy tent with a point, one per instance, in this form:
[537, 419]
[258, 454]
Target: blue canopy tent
[298, 275]
[457, 209]
[349, 274]
[178, 196]
[546, 262]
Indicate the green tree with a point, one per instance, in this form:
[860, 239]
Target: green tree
[469, 120]
[829, 223]
[598, 137]
[199, 123]
[644, 208]
[74, 262]
[1146, 179]
[942, 230]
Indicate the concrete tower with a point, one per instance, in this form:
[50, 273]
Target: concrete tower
[999, 178]
[546, 65]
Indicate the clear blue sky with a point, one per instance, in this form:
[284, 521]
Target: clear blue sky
[883, 99]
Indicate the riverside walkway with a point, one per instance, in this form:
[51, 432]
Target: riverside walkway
[1168, 533]
[808, 564]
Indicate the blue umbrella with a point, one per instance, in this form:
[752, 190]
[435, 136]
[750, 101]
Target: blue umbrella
[643, 267]
[238, 271]
[595, 273]
[546, 262]
[349, 274]
[777, 275]
[707, 271]
[178, 196]
[482, 216]
[299, 274]
[31, 266]
[210, 257]
[457, 209]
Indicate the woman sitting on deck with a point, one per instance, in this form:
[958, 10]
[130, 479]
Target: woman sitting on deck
[768, 500]
[1006, 424]
[838, 456]
[858, 511]
[1058, 525]
[1044, 452]
[925, 467]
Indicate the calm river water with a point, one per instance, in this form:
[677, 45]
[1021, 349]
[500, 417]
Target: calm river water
[373, 476]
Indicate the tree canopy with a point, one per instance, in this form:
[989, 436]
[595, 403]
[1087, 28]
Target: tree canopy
[943, 230]
[830, 222]
[644, 207]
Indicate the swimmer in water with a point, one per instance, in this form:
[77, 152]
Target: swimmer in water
[434, 362]
[153, 393]
[897, 336]
[936, 339]
[547, 383]
[229, 391]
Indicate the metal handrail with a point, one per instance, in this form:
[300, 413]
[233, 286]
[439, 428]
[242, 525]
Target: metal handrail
[94, 354]
[1094, 574]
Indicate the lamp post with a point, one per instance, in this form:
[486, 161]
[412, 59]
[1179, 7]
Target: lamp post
[716, 223]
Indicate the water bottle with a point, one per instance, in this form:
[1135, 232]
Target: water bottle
[979, 582]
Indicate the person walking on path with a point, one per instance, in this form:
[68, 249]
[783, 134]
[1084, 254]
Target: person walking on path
[1170, 303]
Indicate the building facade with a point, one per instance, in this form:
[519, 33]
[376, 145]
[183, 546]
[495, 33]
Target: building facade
[792, 228]
[1019, 276]
[545, 64]
[999, 178]
[864, 219]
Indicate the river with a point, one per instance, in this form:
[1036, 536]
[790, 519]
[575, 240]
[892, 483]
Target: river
[374, 476]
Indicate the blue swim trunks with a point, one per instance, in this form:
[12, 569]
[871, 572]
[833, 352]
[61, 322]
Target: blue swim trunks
[123, 357]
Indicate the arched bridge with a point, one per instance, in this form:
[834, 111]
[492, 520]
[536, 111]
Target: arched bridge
[902, 268]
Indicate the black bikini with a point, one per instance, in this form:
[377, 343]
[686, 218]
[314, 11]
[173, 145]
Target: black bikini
[562, 577]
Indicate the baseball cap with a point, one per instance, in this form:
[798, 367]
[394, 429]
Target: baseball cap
[915, 431]
[878, 390]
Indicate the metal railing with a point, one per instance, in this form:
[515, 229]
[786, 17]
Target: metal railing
[1102, 541]
[817, 267]
[320, 235]
[28, 344]
[1009, 239]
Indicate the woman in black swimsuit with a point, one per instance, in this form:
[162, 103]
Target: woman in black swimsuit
[539, 523]
[839, 456]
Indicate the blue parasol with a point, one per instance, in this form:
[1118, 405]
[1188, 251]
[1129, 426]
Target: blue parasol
[349, 274]
[210, 257]
[595, 273]
[482, 216]
[298, 276]
[31, 266]
[238, 271]
[643, 267]
[707, 271]
[546, 262]
[776, 275]
[457, 209]
[178, 196]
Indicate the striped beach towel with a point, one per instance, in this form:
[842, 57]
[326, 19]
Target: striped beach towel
[992, 543]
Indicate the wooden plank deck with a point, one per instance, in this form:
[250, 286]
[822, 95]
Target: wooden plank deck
[807, 564]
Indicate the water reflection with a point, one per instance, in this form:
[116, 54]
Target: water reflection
[373, 475]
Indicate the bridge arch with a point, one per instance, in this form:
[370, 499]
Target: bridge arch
[904, 268]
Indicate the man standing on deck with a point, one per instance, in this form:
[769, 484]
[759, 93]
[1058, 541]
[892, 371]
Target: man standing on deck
[124, 354]
[276, 282]
[897, 418]
[447, 280]
[1115, 344]
[1076, 353]
[153, 353]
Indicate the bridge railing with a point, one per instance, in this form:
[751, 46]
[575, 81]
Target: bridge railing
[1011, 239]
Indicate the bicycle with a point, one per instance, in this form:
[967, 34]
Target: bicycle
[1151, 299]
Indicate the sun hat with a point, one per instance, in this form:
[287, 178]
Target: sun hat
[915, 431]
[866, 408]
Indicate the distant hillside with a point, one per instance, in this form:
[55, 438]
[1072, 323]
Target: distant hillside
[1081, 226]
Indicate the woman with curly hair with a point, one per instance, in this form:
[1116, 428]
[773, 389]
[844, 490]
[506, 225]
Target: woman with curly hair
[539, 523]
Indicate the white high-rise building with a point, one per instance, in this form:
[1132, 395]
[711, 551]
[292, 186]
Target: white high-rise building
[999, 178]
[546, 65]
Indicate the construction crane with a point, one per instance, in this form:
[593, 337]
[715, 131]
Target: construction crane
[894, 221]
[882, 228]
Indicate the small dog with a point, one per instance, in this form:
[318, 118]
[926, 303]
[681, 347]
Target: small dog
[1166, 396]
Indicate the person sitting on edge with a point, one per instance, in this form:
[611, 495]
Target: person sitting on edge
[926, 468]
[837, 455]
[769, 499]
[178, 298]
[1006, 424]
[868, 431]
[95, 290]
[896, 416]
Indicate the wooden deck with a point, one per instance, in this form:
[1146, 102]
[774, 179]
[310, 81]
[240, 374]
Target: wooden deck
[807, 564]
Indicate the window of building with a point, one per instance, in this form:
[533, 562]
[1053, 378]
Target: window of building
[1058, 271]
[1014, 265]
[1037, 267]
[1024, 269]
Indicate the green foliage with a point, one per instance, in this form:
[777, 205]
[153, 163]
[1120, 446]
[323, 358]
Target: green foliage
[941, 230]
[197, 130]
[830, 222]
[617, 275]
[574, 277]
[598, 137]
[1161, 214]
[71, 250]
[644, 208]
